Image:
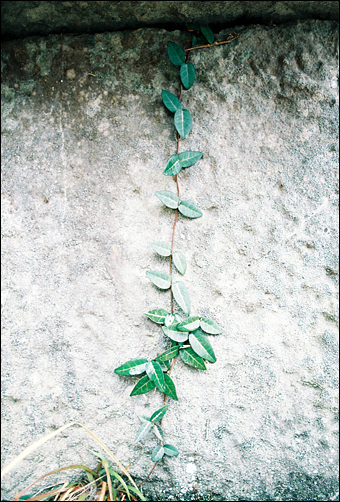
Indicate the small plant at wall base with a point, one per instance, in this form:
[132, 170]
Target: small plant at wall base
[187, 336]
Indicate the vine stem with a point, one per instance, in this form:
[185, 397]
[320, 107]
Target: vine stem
[213, 44]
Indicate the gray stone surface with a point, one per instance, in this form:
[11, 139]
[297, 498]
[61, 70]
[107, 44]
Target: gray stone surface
[22, 19]
[85, 139]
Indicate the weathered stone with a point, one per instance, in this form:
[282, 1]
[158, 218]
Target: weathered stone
[85, 141]
[22, 19]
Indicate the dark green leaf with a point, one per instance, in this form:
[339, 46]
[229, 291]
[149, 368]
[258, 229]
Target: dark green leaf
[157, 453]
[159, 414]
[210, 326]
[161, 248]
[174, 334]
[183, 122]
[171, 101]
[170, 450]
[170, 389]
[168, 198]
[161, 279]
[187, 74]
[189, 324]
[201, 345]
[165, 365]
[189, 158]
[132, 367]
[179, 261]
[168, 354]
[173, 166]
[176, 54]
[143, 386]
[189, 209]
[157, 315]
[155, 373]
[143, 431]
[207, 33]
[190, 357]
[181, 295]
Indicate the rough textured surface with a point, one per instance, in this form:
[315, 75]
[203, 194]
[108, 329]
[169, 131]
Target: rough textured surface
[22, 19]
[85, 141]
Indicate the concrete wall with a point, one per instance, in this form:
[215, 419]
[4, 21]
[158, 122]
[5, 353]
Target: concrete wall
[85, 141]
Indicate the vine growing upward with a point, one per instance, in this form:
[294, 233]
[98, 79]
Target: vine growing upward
[188, 335]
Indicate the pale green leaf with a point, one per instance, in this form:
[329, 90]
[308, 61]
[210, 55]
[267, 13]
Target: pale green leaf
[179, 261]
[168, 198]
[176, 54]
[189, 324]
[143, 431]
[157, 430]
[187, 74]
[173, 166]
[174, 334]
[161, 248]
[189, 209]
[155, 373]
[143, 386]
[132, 367]
[183, 122]
[181, 295]
[157, 453]
[169, 320]
[170, 389]
[168, 354]
[210, 326]
[201, 345]
[170, 450]
[171, 101]
[207, 33]
[189, 158]
[159, 414]
[190, 357]
[157, 315]
[178, 317]
[160, 279]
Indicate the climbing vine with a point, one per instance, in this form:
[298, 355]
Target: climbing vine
[188, 335]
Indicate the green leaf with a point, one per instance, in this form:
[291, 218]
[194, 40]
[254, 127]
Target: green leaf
[174, 334]
[189, 209]
[210, 326]
[165, 365]
[155, 373]
[157, 315]
[187, 74]
[201, 345]
[143, 431]
[179, 261]
[170, 450]
[132, 367]
[173, 166]
[157, 430]
[181, 295]
[183, 122]
[161, 279]
[143, 386]
[171, 101]
[189, 158]
[189, 324]
[190, 357]
[157, 453]
[168, 198]
[176, 54]
[161, 248]
[170, 389]
[168, 354]
[159, 414]
[207, 33]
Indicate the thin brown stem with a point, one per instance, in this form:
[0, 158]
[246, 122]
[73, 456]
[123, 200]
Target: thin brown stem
[213, 44]
[150, 472]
